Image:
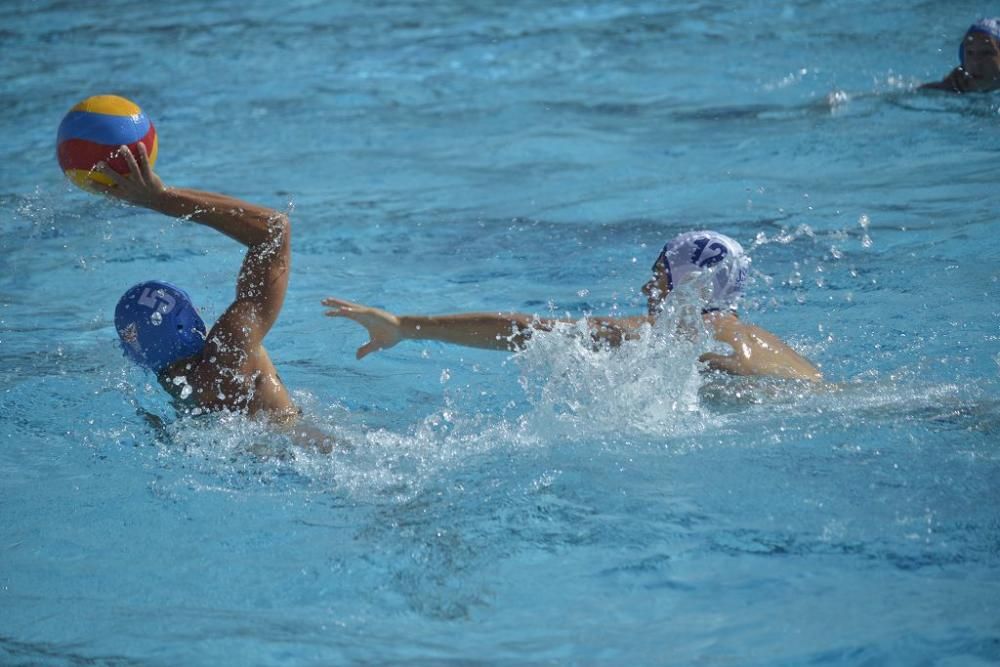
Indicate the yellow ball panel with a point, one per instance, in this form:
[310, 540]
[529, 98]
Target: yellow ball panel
[156, 149]
[108, 104]
[86, 179]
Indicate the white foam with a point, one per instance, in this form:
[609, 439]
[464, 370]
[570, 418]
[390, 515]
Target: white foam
[647, 386]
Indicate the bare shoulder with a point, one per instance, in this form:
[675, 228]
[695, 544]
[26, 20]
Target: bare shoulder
[757, 351]
[733, 327]
[248, 383]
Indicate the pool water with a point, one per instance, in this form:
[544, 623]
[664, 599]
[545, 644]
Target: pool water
[556, 506]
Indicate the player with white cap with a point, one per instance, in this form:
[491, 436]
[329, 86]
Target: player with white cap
[712, 265]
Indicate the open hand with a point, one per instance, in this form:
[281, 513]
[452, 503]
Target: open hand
[141, 186]
[383, 327]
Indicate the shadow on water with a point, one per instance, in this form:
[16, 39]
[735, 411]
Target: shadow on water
[14, 652]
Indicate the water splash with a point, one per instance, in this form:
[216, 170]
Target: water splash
[647, 386]
[837, 98]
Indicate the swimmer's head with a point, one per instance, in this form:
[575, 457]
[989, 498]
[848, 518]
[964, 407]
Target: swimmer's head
[158, 325]
[692, 254]
[979, 51]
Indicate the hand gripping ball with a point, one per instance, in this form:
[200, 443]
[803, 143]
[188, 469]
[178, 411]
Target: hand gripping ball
[93, 131]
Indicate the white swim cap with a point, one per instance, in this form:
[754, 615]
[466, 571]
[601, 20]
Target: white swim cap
[691, 254]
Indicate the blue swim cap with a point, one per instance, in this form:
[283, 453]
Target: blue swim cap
[990, 27]
[157, 325]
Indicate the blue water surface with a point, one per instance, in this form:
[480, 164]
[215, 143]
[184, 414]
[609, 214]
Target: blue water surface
[560, 505]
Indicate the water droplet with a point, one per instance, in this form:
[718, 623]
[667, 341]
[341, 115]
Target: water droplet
[185, 392]
[156, 318]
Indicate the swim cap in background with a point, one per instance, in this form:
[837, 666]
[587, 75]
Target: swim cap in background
[689, 254]
[989, 27]
[157, 325]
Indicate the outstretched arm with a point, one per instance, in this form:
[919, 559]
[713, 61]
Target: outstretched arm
[957, 81]
[755, 351]
[493, 331]
[263, 278]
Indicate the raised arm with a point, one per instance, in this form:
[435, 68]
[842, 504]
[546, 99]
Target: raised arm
[263, 278]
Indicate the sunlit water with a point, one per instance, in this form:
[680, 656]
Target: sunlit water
[558, 506]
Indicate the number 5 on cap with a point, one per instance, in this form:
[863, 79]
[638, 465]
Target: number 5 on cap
[151, 298]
